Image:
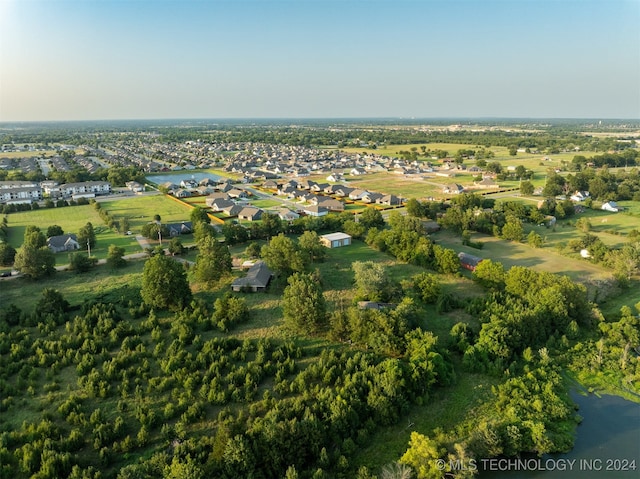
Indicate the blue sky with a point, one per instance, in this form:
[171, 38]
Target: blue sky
[145, 59]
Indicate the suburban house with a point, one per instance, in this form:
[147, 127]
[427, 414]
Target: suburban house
[486, 182]
[237, 193]
[213, 197]
[232, 209]
[287, 215]
[357, 171]
[257, 279]
[579, 196]
[391, 200]
[134, 186]
[335, 240]
[358, 194]
[453, 188]
[176, 229]
[335, 177]
[468, 261]
[314, 210]
[61, 243]
[611, 206]
[250, 213]
[331, 204]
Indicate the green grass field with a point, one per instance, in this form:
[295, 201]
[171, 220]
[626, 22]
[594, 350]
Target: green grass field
[74, 287]
[519, 254]
[140, 210]
[432, 185]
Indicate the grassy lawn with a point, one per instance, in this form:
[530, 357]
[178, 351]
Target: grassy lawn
[519, 254]
[74, 287]
[141, 210]
[70, 219]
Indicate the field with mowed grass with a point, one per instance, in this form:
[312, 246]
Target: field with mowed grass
[70, 219]
[141, 210]
[520, 254]
[100, 281]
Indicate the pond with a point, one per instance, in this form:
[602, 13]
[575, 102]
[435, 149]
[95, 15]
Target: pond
[607, 446]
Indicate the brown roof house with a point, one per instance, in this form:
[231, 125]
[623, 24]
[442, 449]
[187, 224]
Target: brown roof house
[257, 279]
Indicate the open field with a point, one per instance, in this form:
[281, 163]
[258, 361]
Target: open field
[70, 219]
[519, 254]
[26, 154]
[139, 210]
[431, 185]
[74, 287]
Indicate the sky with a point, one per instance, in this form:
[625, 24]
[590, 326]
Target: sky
[152, 59]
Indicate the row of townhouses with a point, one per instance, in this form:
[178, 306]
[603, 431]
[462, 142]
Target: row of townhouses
[14, 192]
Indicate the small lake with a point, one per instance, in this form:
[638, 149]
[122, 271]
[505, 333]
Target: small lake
[183, 175]
[607, 443]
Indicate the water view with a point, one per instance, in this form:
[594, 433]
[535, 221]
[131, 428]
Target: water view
[607, 446]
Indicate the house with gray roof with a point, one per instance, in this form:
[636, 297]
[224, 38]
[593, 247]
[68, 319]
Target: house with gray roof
[60, 243]
[257, 279]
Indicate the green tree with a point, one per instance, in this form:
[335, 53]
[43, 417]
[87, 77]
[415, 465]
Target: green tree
[212, 262]
[526, 188]
[199, 215]
[311, 247]
[253, 250]
[513, 229]
[175, 246]
[428, 287]
[372, 281]
[81, 263]
[164, 283]
[283, 256]
[353, 229]
[415, 208]
[446, 260]
[490, 274]
[35, 262]
[87, 235]
[54, 230]
[535, 240]
[303, 304]
[115, 256]
[33, 237]
[7, 254]
[371, 218]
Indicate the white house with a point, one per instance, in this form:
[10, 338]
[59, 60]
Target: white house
[579, 196]
[611, 206]
[335, 240]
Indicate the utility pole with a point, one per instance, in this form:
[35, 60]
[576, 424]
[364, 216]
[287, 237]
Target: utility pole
[88, 248]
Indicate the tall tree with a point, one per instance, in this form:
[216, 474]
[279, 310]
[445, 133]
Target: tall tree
[371, 218]
[87, 235]
[311, 246]
[283, 256]
[213, 260]
[303, 305]
[164, 283]
[199, 215]
[7, 254]
[33, 258]
[115, 257]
